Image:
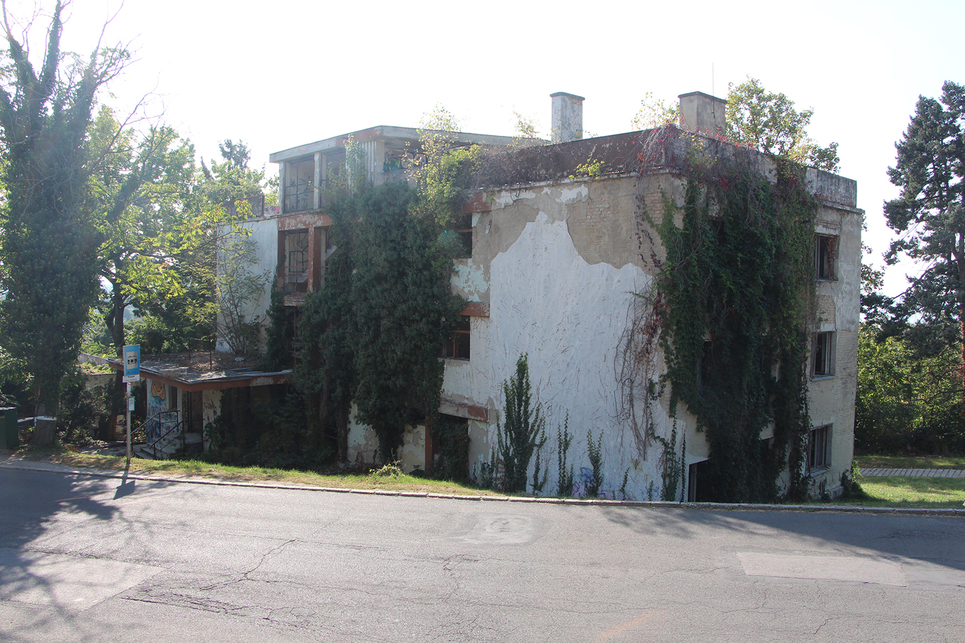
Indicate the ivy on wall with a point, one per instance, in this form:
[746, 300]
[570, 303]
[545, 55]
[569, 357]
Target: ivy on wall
[373, 334]
[737, 283]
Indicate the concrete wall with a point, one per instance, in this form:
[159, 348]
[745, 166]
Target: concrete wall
[561, 262]
[838, 309]
[556, 266]
[558, 263]
[264, 234]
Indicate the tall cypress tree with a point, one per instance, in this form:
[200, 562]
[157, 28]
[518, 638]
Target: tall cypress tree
[50, 241]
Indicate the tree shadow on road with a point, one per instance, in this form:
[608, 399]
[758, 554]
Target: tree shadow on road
[35, 568]
[933, 539]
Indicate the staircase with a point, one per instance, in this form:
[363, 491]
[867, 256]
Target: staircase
[167, 438]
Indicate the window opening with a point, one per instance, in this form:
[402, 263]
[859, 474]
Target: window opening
[819, 449]
[296, 261]
[825, 251]
[457, 345]
[299, 185]
[464, 232]
[822, 360]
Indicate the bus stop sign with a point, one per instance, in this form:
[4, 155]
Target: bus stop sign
[132, 363]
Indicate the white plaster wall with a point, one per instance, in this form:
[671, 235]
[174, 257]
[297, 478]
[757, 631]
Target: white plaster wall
[264, 233]
[362, 441]
[363, 445]
[831, 400]
[568, 316]
[469, 381]
[210, 407]
[414, 448]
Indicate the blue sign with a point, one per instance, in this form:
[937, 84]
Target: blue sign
[132, 363]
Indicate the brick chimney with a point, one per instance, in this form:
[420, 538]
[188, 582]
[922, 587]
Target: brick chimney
[567, 117]
[702, 113]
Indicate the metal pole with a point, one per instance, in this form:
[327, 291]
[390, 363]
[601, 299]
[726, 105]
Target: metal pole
[127, 402]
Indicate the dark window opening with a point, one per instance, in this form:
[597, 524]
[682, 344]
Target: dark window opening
[825, 255]
[463, 230]
[457, 345]
[819, 449]
[822, 359]
[296, 261]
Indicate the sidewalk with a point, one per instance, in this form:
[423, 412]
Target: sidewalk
[915, 473]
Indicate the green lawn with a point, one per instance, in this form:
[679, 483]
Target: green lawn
[896, 491]
[905, 492]
[387, 480]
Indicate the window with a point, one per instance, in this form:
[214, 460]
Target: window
[825, 256]
[819, 449]
[464, 230]
[457, 346]
[300, 185]
[296, 261]
[822, 358]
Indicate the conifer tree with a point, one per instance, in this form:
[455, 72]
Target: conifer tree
[929, 217]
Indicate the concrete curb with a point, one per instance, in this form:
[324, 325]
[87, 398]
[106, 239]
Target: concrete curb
[47, 467]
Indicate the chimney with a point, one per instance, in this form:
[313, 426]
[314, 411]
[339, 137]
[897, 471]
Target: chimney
[567, 117]
[702, 113]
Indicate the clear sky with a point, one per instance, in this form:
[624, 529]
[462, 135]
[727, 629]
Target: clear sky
[276, 75]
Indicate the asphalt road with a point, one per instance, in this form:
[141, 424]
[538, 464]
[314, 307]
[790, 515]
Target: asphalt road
[95, 559]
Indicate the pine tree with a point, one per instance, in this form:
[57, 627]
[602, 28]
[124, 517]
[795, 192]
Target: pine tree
[930, 219]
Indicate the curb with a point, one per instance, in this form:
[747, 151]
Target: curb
[655, 504]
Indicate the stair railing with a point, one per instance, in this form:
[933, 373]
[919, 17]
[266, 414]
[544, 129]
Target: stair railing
[160, 426]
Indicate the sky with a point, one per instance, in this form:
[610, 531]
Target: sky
[277, 75]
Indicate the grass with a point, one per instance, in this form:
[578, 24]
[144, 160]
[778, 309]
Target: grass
[387, 479]
[909, 462]
[894, 491]
[910, 493]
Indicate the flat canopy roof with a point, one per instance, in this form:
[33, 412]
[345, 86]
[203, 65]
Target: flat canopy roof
[206, 371]
[386, 132]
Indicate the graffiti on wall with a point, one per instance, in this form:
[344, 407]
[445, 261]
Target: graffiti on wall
[159, 418]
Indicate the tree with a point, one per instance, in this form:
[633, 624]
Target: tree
[232, 180]
[929, 217]
[327, 373]
[654, 112]
[139, 188]
[769, 122]
[50, 239]
[404, 310]
[373, 333]
[238, 290]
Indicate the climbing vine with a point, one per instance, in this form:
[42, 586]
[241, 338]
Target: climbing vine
[372, 335]
[737, 282]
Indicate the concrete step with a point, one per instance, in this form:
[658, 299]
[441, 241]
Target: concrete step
[171, 446]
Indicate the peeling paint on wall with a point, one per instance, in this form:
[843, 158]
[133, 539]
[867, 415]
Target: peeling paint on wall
[568, 316]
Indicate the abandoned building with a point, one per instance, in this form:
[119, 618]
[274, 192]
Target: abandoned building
[562, 250]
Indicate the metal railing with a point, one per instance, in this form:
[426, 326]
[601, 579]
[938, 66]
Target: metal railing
[158, 429]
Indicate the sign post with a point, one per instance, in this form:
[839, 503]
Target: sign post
[132, 373]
